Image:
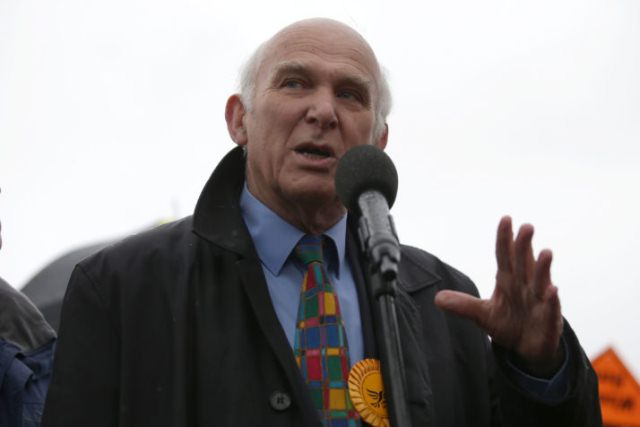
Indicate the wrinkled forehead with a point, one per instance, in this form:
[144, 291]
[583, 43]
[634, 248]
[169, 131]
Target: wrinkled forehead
[320, 42]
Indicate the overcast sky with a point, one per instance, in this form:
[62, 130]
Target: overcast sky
[112, 118]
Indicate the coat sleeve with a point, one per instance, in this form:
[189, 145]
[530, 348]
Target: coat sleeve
[84, 387]
[469, 378]
[580, 407]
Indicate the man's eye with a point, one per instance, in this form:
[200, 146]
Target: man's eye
[349, 94]
[293, 84]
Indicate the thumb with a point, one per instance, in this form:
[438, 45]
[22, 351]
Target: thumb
[462, 304]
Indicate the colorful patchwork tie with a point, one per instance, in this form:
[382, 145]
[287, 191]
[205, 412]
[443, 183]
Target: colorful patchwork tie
[321, 342]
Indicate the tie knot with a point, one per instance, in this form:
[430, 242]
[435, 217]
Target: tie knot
[309, 249]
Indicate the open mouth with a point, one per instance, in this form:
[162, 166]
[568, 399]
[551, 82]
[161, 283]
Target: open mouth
[314, 152]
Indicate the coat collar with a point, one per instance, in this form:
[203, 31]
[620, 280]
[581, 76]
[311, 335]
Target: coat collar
[217, 217]
[411, 268]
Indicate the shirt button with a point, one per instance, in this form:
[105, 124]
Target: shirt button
[280, 401]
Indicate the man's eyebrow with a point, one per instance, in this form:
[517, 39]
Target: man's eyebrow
[358, 82]
[288, 67]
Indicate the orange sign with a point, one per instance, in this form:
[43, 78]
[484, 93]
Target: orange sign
[619, 391]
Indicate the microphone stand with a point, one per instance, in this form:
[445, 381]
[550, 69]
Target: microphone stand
[379, 241]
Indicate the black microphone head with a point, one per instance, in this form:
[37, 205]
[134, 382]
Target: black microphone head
[364, 168]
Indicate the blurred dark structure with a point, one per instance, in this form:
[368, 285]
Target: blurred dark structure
[47, 287]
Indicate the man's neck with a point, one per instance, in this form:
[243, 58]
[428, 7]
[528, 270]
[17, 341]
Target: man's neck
[309, 215]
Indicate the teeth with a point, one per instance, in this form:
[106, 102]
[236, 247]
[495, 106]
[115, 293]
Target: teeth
[313, 153]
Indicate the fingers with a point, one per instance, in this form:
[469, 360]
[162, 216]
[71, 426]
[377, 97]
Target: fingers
[463, 304]
[554, 319]
[504, 255]
[552, 323]
[524, 261]
[504, 245]
[542, 274]
[516, 263]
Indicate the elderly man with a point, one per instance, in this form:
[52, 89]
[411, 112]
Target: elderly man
[251, 312]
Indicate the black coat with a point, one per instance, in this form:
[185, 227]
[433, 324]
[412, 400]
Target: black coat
[175, 327]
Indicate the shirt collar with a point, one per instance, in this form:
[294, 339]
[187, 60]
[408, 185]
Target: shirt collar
[274, 238]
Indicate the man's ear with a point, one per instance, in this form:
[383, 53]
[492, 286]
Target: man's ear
[234, 115]
[381, 142]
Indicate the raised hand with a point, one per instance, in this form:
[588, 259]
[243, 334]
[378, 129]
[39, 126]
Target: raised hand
[523, 314]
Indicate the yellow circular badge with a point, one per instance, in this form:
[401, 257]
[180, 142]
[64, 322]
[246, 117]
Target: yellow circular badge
[367, 394]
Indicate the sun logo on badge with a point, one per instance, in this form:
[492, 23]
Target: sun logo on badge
[378, 398]
[367, 393]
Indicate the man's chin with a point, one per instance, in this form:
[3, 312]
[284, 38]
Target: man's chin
[313, 194]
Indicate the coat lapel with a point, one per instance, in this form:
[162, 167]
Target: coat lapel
[366, 316]
[255, 288]
[218, 219]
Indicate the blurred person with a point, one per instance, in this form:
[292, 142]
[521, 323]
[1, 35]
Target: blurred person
[26, 351]
[252, 311]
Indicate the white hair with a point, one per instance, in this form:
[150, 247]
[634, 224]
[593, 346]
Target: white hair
[249, 76]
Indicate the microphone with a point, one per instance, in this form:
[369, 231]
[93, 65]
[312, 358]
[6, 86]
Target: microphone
[367, 183]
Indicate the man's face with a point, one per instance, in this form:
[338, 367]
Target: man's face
[315, 98]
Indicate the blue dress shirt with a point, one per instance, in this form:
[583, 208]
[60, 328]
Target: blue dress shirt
[275, 239]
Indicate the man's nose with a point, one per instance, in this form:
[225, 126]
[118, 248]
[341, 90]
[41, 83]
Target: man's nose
[322, 110]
